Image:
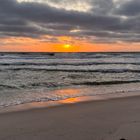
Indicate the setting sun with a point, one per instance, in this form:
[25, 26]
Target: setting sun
[67, 46]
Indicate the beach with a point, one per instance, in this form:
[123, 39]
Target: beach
[111, 119]
[69, 69]
[69, 96]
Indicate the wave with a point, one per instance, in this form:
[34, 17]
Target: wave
[107, 82]
[33, 85]
[8, 86]
[46, 84]
[68, 64]
[54, 85]
[74, 70]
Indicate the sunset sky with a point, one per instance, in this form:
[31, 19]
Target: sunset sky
[69, 25]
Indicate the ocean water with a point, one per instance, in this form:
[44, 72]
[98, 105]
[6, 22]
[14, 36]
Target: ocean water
[39, 77]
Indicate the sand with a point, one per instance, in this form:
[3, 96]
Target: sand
[112, 119]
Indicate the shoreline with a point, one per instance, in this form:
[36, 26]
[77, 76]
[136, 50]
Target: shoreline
[68, 101]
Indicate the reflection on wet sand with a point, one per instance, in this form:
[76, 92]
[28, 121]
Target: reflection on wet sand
[70, 100]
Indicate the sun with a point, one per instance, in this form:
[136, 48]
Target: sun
[67, 46]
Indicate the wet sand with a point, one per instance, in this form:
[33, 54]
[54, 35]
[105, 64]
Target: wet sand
[112, 119]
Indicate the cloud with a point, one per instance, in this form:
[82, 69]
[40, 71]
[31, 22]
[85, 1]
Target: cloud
[129, 8]
[102, 21]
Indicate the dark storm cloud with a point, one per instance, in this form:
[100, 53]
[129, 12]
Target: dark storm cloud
[130, 8]
[105, 20]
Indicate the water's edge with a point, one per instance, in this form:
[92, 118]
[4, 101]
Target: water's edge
[68, 101]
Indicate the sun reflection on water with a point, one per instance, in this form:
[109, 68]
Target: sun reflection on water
[70, 91]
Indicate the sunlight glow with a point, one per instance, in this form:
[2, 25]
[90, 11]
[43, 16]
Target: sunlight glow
[75, 31]
[73, 5]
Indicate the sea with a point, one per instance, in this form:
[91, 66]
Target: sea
[43, 77]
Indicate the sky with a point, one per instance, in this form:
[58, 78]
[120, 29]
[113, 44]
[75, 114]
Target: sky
[69, 25]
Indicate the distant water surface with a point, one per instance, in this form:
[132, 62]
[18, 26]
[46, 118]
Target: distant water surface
[29, 77]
